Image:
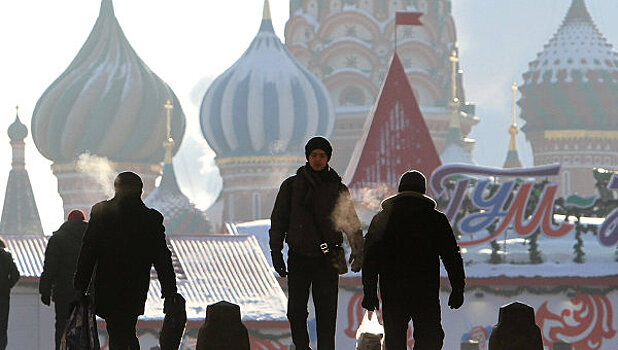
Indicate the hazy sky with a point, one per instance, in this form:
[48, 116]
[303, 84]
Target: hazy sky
[188, 41]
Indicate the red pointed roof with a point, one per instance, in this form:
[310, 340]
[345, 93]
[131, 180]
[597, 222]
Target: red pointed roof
[395, 137]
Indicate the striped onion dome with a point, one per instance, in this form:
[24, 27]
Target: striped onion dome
[266, 103]
[573, 82]
[180, 215]
[107, 102]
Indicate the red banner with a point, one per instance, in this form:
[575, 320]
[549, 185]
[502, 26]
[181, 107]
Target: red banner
[408, 18]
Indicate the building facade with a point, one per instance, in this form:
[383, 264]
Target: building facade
[348, 44]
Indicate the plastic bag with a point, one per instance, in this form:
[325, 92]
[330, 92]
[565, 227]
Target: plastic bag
[81, 328]
[370, 333]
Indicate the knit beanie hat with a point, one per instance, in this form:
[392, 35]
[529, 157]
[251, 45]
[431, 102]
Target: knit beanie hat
[412, 181]
[76, 214]
[318, 142]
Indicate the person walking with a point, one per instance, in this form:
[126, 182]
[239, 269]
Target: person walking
[9, 275]
[123, 240]
[403, 247]
[59, 267]
[311, 209]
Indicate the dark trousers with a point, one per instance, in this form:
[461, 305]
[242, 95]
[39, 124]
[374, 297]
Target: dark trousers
[121, 331]
[317, 275]
[425, 315]
[62, 307]
[4, 322]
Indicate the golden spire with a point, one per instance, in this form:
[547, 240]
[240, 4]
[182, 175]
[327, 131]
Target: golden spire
[168, 144]
[454, 122]
[266, 14]
[513, 128]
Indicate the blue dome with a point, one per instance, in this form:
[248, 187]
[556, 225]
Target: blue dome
[266, 103]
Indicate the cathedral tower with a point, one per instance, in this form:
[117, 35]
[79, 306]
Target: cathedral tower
[569, 100]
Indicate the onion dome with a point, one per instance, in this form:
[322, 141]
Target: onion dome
[17, 130]
[573, 82]
[266, 103]
[20, 215]
[107, 102]
[180, 215]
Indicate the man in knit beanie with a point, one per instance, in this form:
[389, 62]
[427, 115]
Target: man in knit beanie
[312, 208]
[403, 246]
[56, 282]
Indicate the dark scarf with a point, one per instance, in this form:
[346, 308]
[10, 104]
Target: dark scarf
[321, 194]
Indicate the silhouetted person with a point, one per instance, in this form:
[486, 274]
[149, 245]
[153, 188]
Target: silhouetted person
[403, 246]
[516, 329]
[223, 329]
[59, 267]
[313, 207]
[9, 275]
[123, 240]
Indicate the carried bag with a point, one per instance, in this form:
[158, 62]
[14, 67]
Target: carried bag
[370, 333]
[81, 332]
[173, 324]
[336, 256]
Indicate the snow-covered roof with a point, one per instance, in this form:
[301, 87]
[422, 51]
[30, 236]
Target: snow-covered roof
[28, 252]
[223, 267]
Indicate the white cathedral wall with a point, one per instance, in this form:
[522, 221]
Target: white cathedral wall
[31, 324]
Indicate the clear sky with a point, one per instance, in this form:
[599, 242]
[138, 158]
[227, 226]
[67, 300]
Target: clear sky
[189, 42]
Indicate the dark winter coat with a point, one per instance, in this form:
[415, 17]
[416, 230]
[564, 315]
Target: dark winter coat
[60, 261]
[404, 245]
[9, 275]
[310, 205]
[124, 239]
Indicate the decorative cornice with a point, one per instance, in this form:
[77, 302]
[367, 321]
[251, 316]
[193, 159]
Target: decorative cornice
[260, 159]
[580, 134]
[72, 166]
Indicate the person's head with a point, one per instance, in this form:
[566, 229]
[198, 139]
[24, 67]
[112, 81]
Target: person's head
[76, 214]
[2, 243]
[128, 184]
[412, 181]
[318, 151]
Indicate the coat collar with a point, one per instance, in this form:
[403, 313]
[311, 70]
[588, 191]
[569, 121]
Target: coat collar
[408, 194]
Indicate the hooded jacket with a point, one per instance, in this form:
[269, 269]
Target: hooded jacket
[313, 207]
[124, 240]
[404, 245]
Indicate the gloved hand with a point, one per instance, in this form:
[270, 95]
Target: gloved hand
[169, 301]
[370, 302]
[278, 263]
[356, 261]
[45, 299]
[456, 299]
